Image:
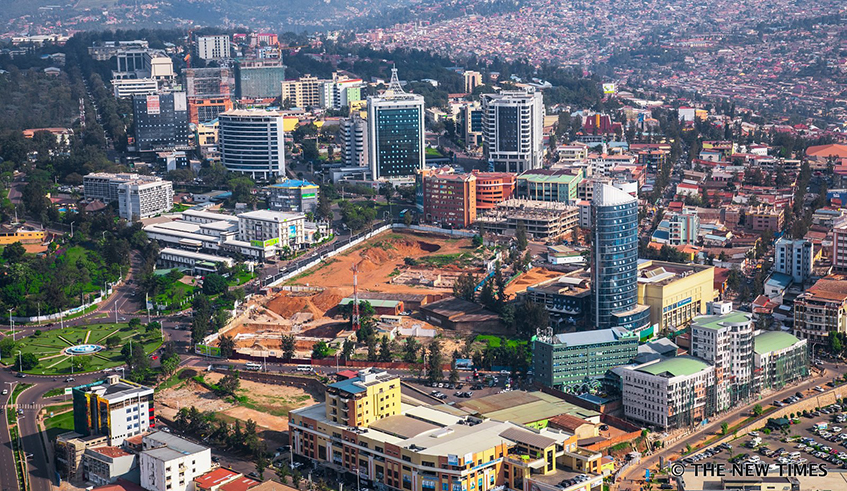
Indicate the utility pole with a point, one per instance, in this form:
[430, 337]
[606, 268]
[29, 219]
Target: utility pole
[356, 321]
[11, 325]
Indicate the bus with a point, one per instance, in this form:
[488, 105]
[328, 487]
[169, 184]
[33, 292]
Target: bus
[253, 366]
[304, 368]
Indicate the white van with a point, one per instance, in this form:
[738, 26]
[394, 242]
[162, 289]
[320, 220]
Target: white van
[253, 366]
[304, 368]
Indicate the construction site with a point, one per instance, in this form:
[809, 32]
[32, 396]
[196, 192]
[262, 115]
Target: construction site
[396, 272]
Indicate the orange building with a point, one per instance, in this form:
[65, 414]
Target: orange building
[202, 110]
[450, 199]
[493, 188]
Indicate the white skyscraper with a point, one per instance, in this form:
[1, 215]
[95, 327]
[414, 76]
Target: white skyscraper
[512, 125]
[353, 136]
[396, 132]
[213, 47]
[251, 142]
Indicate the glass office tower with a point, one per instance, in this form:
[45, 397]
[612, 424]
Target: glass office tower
[615, 261]
[396, 132]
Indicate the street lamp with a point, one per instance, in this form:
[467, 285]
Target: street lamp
[11, 325]
[20, 361]
[72, 228]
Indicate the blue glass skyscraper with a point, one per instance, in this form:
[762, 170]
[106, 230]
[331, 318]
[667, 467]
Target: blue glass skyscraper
[614, 265]
[395, 132]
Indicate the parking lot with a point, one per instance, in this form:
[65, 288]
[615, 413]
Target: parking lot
[467, 387]
[817, 438]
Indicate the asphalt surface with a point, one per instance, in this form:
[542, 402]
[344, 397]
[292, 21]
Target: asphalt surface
[8, 481]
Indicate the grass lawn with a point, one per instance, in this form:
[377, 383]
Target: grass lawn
[241, 278]
[494, 341]
[174, 295]
[433, 152]
[58, 424]
[49, 345]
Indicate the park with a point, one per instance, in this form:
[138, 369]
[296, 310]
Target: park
[79, 349]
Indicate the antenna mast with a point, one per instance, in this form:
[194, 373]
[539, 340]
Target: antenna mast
[356, 321]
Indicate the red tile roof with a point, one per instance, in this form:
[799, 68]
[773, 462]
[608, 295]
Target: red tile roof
[215, 478]
[240, 484]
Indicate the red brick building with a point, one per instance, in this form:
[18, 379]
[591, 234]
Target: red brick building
[493, 188]
[450, 199]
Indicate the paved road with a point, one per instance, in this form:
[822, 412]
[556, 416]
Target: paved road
[651, 462]
[8, 479]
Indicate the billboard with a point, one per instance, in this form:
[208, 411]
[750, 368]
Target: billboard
[263, 244]
[153, 104]
[452, 459]
[609, 88]
[292, 231]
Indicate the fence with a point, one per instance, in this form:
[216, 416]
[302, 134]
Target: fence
[58, 315]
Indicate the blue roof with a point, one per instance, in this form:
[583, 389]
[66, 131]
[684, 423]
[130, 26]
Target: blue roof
[293, 183]
[348, 386]
[780, 280]
[662, 234]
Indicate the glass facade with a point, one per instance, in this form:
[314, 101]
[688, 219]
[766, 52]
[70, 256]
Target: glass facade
[398, 141]
[615, 262]
[161, 121]
[507, 128]
[259, 81]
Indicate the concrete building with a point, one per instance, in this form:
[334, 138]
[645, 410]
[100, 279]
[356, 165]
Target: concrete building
[549, 185]
[677, 229]
[548, 221]
[141, 199]
[204, 83]
[567, 300]
[114, 408]
[207, 110]
[138, 196]
[780, 359]
[194, 262]
[259, 79]
[513, 122]
[304, 92]
[821, 309]
[340, 92]
[161, 121]
[353, 136]
[128, 87]
[839, 248]
[105, 465]
[493, 188]
[169, 463]
[670, 393]
[614, 265]
[472, 80]
[795, 258]
[272, 228]
[213, 47]
[252, 142]
[578, 361]
[470, 124]
[395, 132]
[726, 341]
[293, 195]
[426, 448]
[764, 217]
[450, 200]
[675, 293]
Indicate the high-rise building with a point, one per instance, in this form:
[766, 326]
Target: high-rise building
[213, 47]
[207, 110]
[513, 122]
[208, 82]
[796, 258]
[251, 142]
[161, 121]
[259, 79]
[821, 310]
[128, 87]
[353, 134]
[450, 199]
[141, 199]
[470, 124]
[675, 293]
[293, 195]
[472, 80]
[114, 408]
[493, 188]
[614, 265]
[395, 132]
[726, 341]
[579, 360]
[304, 92]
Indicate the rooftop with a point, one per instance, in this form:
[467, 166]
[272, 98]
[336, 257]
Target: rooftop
[240, 484]
[215, 478]
[293, 183]
[773, 341]
[829, 288]
[114, 391]
[608, 195]
[523, 407]
[720, 321]
[597, 336]
[675, 367]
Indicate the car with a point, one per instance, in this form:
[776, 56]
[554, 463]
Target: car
[69, 379]
[5, 391]
[21, 375]
[505, 372]
[799, 394]
[604, 427]
[106, 370]
[215, 459]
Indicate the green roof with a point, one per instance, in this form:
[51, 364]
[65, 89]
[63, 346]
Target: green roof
[559, 178]
[374, 303]
[716, 321]
[679, 365]
[773, 341]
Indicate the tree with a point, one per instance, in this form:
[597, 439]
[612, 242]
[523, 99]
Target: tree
[81, 363]
[372, 346]
[26, 361]
[434, 362]
[385, 349]
[14, 252]
[320, 350]
[757, 410]
[135, 323]
[287, 344]
[454, 376]
[7, 347]
[835, 345]
[347, 349]
[487, 296]
[324, 209]
[213, 284]
[170, 364]
[476, 241]
[410, 350]
[229, 384]
[724, 428]
[153, 326]
[520, 237]
[227, 345]
[464, 287]
[530, 317]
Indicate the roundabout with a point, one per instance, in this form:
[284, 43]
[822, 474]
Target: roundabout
[79, 349]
